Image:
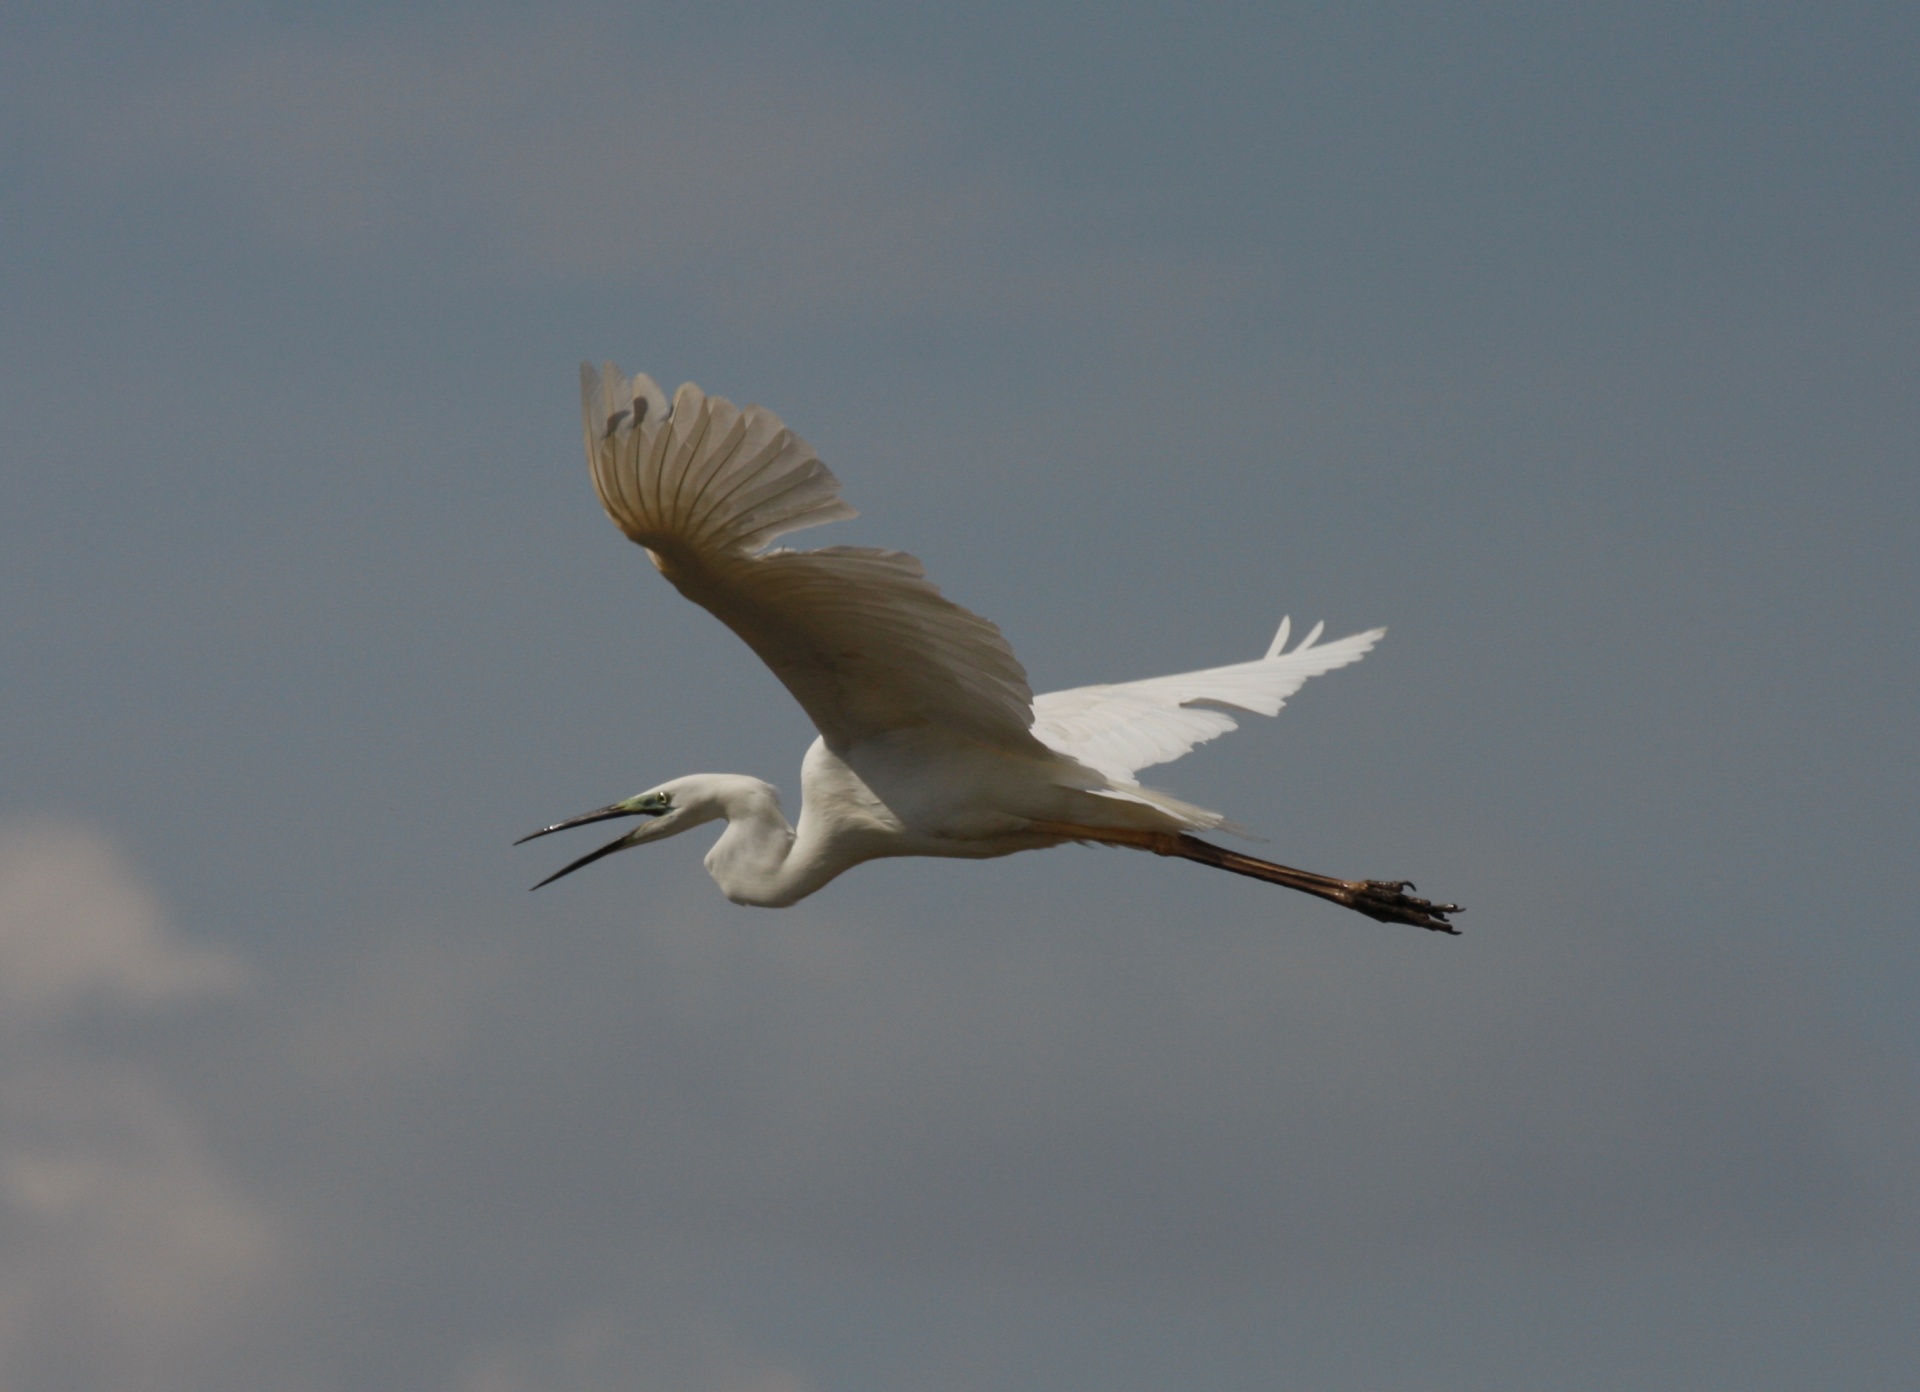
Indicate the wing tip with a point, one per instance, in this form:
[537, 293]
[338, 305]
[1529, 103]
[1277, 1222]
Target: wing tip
[1363, 642]
[660, 472]
[1274, 648]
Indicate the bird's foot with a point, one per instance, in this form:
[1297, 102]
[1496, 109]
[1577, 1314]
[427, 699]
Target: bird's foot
[1388, 901]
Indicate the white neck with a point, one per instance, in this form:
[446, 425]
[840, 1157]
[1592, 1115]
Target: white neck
[759, 859]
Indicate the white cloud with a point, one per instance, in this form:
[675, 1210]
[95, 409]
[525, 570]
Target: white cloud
[456, 1155]
[154, 1231]
[80, 926]
[127, 1242]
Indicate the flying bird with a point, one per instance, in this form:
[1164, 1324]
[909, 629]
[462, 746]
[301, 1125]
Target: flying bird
[931, 742]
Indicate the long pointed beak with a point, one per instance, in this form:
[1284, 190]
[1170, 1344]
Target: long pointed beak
[601, 814]
[618, 844]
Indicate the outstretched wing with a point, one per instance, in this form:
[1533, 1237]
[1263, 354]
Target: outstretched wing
[861, 638]
[1129, 726]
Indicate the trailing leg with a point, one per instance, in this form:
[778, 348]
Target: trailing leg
[1385, 900]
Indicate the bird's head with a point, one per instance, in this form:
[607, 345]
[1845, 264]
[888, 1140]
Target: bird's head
[668, 809]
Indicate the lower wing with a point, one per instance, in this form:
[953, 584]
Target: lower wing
[1122, 728]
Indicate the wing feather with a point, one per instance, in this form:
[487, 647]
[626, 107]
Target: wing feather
[861, 637]
[1122, 728]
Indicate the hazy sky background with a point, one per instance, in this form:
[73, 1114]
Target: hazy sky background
[1576, 344]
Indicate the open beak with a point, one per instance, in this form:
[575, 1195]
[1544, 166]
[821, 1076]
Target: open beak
[618, 809]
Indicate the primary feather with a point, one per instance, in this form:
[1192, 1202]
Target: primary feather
[862, 639]
[1124, 727]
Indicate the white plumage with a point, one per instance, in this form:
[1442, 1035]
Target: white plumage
[862, 639]
[1123, 728]
[931, 741]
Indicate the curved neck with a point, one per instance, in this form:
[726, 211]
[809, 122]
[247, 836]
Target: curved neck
[759, 859]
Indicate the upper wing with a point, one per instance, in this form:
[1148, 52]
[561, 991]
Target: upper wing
[1122, 728]
[861, 638]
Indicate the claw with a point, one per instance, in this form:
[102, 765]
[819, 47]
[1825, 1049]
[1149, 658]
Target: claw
[1386, 901]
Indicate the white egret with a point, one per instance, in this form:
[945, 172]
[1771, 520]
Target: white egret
[931, 742]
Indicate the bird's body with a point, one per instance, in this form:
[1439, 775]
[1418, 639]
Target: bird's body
[931, 743]
[901, 794]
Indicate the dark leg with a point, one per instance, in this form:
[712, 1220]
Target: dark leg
[1384, 900]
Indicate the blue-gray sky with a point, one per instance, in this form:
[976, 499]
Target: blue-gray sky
[1576, 345]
